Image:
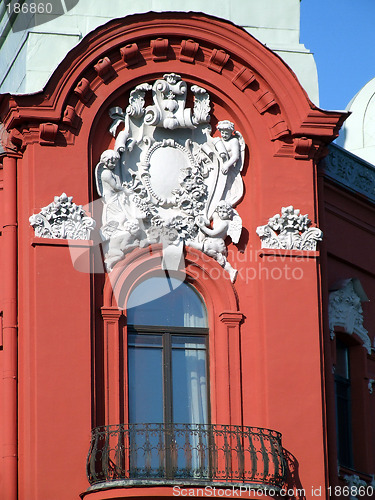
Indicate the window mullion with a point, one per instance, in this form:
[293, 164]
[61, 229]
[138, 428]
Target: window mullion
[167, 361]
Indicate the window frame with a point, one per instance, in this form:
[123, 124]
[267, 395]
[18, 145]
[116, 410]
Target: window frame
[166, 333]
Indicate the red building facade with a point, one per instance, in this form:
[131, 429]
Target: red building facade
[68, 340]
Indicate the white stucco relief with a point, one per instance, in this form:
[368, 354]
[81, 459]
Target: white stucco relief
[167, 179]
[62, 219]
[345, 309]
[289, 231]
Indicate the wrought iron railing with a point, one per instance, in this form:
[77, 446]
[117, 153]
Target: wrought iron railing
[189, 452]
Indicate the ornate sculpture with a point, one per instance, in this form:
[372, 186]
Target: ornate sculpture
[289, 231]
[345, 309]
[225, 222]
[168, 173]
[62, 219]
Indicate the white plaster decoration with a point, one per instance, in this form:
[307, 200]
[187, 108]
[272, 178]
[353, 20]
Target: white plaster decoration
[62, 219]
[350, 171]
[345, 309]
[370, 385]
[289, 231]
[168, 177]
[356, 486]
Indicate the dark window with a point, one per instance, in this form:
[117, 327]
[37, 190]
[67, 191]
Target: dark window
[343, 405]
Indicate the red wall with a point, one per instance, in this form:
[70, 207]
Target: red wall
[280, 351]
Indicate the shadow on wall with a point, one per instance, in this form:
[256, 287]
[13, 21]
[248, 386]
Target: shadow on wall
[293, 483]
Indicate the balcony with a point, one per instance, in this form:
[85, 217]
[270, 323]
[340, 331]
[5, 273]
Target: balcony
[189, 453]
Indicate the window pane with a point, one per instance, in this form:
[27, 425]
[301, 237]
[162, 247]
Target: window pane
[181, 342]
[162, 301]
[145, 367]
[144, 340]
[189, 383]
[342, 359]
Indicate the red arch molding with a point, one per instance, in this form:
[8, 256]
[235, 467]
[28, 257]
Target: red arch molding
[209, 49]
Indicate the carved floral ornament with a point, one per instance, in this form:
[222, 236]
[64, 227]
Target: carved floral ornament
[168, 180]
[289, 231]
[345, 309]
[62, 219]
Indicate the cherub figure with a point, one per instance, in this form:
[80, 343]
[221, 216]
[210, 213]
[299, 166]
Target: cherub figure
[228, 153]
[129, 235]
[109, 186]
[225, 222]
[229, 147]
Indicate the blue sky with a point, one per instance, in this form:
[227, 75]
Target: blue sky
[341, 34]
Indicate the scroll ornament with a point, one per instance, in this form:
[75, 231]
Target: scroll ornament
[168, 179]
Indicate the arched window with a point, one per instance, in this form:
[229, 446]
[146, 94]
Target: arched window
[167, 353]
[167, 379]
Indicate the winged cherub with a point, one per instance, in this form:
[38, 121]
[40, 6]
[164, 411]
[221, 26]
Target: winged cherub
[225, 222]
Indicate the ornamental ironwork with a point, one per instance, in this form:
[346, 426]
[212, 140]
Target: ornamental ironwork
[197, 453]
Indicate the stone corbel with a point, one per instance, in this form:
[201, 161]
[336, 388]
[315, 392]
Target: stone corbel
[70, 117]
[159, 49]
[265, 102]
[105, 69]
[218, 60]
[83, 90]
[16, 138]
[243, 78]
[48, 133]
[130, 54]
[278, 128]
[188, 50]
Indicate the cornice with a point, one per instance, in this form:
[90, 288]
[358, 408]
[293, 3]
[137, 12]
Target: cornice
[218, 50]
